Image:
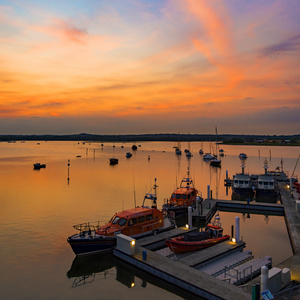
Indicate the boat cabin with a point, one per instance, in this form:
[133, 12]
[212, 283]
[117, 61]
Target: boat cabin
[133, 222]
[241, 181]
[183, 197]
[265, 182]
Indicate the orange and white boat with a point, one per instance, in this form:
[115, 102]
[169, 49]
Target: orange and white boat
[183, 197]
[137, 222]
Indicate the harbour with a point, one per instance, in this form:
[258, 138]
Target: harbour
[85, 196]
[211, 258]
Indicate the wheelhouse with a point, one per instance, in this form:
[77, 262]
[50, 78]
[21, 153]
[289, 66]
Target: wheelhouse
[133, 222]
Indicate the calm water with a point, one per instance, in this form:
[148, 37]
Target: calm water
[39, 208]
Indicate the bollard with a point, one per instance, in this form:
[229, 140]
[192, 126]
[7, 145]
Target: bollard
[208, 191]
[264, 278]
[237, 229]
[144, 252]
[248, 201]
[190, 223]
[232, 231]
[198, 205]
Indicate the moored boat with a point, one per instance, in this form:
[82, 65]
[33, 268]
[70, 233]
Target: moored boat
[194, 241]
[242, 186]
[38, 166]
[216, 162]
[137, 222]
[113, 161]
[243, 156]
[266, 187]
[183, 197]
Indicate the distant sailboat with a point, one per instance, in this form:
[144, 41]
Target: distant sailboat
[216, 162]
[177, 149]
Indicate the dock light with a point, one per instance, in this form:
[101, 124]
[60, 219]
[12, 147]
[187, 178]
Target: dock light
[132, 243]
[132, 284]
[288, 186]
[233, 240]
[187, 226]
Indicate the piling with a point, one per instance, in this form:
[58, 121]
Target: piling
[68, 171]
[208, 191]
[190, 217]
[237, 229]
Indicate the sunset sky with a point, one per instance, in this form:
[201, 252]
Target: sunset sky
[149, 66]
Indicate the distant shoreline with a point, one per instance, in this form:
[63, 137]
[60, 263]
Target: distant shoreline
[227, 139]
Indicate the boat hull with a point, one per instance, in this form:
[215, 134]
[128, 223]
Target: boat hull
[85, 245]
[178, 245]
[242, 194]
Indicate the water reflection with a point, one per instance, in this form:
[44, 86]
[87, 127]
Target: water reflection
[88, 269]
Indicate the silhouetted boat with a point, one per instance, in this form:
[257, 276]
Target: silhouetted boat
[113, 161]
[38, 166]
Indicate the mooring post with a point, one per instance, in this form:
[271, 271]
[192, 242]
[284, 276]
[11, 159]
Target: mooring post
[237, 229]
[208, 191]
[190, 223]
[226, 175]
[198, 205]
[264, 278]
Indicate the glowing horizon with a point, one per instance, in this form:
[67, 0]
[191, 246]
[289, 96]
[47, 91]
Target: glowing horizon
[138, 67]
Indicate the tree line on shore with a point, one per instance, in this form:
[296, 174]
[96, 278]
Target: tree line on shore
[225, 138]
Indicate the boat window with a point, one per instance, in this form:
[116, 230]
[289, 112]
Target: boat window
[265, 183]
[132, 222]
[149, 217]
[122, 222]
[271, 183]
[115, 220]
[141, 219]
[178, 196]
[173, 195]
[184, 196]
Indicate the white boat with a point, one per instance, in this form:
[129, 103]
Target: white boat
[242, 186]
[208, 156]
[266, 186]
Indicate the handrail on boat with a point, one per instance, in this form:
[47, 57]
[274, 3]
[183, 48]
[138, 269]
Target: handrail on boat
[89, 226]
